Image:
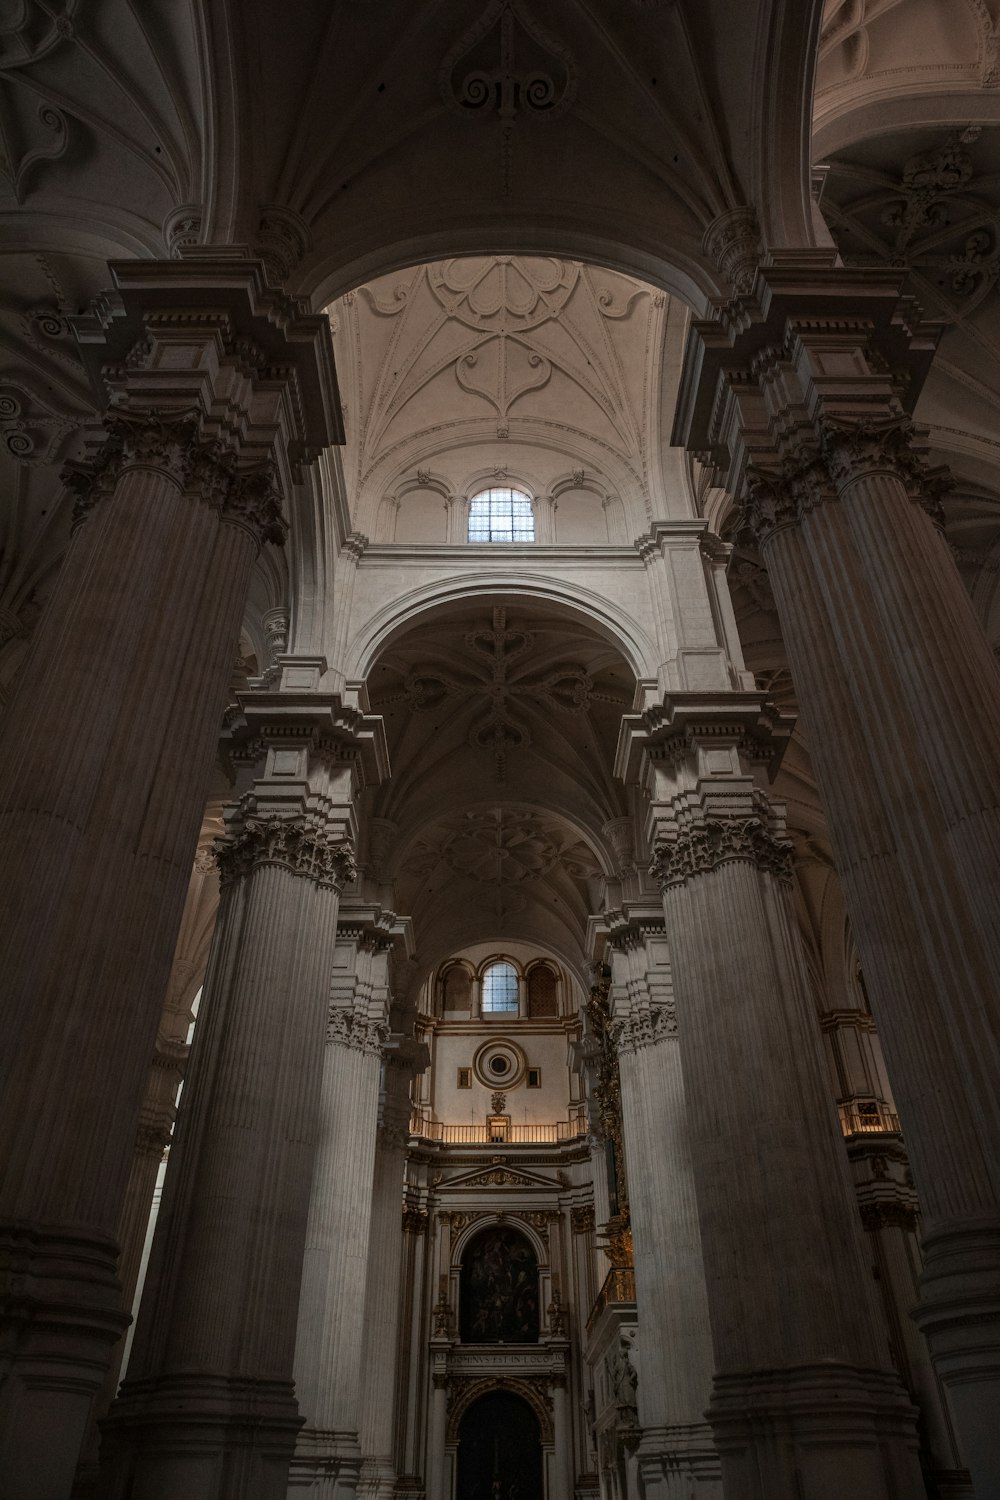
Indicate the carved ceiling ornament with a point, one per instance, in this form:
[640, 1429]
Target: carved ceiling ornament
[505, 846]
[507, 69]
[499, 726]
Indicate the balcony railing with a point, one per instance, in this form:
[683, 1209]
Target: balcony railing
[867, 1119]
[618, 1289]
[498, 1133]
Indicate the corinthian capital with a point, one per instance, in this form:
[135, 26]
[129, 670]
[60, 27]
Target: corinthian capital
[892, 444]
[705, 846]
[302, 848]
[776, 499]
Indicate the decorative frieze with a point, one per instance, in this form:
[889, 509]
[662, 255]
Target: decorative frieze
[302, 850]
[892, 1215]
[347, 1029]
[719, 841]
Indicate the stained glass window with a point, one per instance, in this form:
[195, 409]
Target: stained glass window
[501, 516]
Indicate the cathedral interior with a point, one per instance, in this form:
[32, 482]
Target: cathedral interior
[500, 750]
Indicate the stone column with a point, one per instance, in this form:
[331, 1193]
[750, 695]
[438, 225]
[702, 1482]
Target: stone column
[104, 761]
[900, 697]
[437, 1437]
[804, 1400]
[383, 1300]
[562, 1428]
[208, 1410]
[335, 1343]
[676, 1455]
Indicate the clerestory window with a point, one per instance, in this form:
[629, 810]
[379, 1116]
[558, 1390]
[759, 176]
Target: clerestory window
[500, 989]
[501, 516]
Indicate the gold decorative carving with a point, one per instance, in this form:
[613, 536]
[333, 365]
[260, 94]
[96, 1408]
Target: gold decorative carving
[415, 1220]
[582, 1219]
[499, 1177]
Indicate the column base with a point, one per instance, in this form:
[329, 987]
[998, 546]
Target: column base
[678, 1462]
[959, 1315]
[378, 1479]
[199, 1437]
[326, 1465]
[818, 1432]
[60, 1318]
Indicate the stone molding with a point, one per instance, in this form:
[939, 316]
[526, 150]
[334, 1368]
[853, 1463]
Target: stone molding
[171, 443]
[295, 845]
[716, 841]
[648, 1028]
[347, 1029]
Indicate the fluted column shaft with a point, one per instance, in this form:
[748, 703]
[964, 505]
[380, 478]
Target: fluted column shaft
[794, 1319]
[104, 759]
[900, 696]
[676, 1452]
[208, 1409]
[804, 1402]
[384, 1296]
[331, 1336]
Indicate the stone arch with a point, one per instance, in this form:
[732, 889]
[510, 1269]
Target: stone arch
[529, 1391]
[401, 615]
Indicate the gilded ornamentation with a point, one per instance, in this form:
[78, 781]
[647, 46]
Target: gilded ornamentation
[558, 1313]
[499, 1177]
[305, 851]
[717, 841]
[442, 1311]
[877, 1216]
[607, 1090]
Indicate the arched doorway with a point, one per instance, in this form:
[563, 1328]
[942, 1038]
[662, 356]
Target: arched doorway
[499, 1450]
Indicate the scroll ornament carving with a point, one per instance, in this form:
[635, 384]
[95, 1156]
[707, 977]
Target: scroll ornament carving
[720, 841]
[303, 850]
[646, 1028]
[346, 1029]
[732, 243]
[171, 444]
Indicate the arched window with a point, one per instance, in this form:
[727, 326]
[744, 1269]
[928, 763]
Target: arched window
[498, 1302]
[542, 999]
[501, 516]
[500, 989]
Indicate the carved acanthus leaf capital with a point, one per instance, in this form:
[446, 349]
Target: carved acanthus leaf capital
[647, 1028]
[304, 850]
[894, 445]
[775, 499]
[732, 243]
[346, 1029]
[703, 847]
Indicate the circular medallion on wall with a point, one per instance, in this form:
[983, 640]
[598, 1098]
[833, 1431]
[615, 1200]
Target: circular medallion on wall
[499, 1064]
